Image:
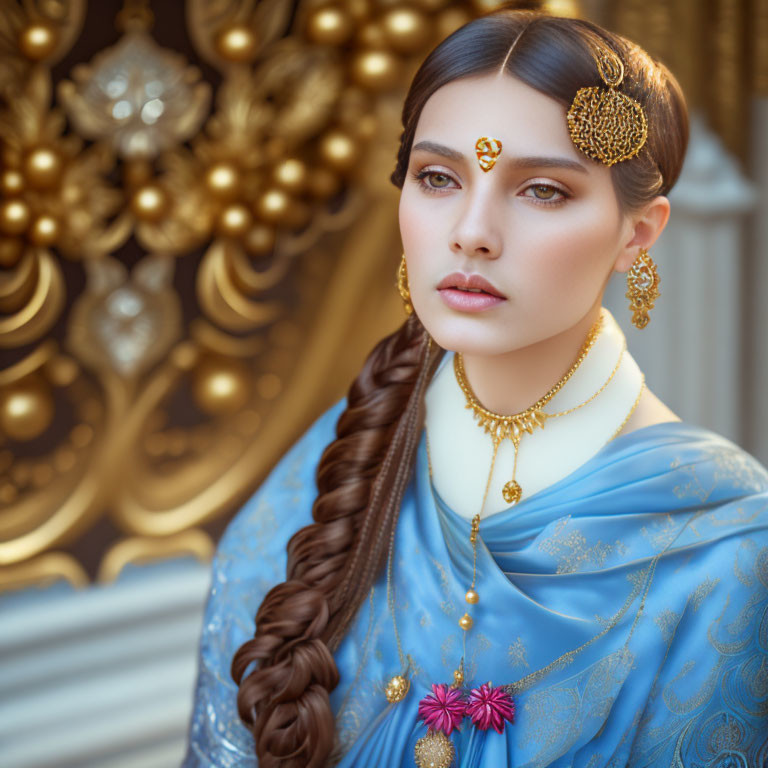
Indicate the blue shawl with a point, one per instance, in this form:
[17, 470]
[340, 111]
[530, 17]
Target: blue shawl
[627, 604]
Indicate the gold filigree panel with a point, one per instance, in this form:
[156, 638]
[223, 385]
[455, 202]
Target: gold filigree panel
[198, 246]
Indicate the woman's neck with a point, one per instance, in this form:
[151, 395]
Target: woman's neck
[510, 382]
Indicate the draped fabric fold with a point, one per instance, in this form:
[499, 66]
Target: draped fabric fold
[627, 605]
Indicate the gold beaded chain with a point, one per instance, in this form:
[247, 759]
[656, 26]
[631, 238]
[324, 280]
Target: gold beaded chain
[398, 686]
[513, 427]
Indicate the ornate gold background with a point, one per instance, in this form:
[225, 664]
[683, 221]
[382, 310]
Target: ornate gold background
[199, 241]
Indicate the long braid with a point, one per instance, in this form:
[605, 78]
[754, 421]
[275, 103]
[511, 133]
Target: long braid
[287, 670]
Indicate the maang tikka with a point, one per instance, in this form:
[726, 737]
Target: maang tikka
[604, 123]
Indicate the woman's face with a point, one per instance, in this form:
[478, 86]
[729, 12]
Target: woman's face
[543, 226]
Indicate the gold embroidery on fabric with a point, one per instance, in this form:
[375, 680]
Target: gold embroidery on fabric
[667, 621]
[348, 720]
[702, 592]
[739, 470]
[662, 532]
[695, 700]
[590, 694]
[694, 486]
[517, 654]
[572, 551]
[447, 606]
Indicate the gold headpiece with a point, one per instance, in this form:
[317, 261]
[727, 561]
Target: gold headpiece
[605, 124]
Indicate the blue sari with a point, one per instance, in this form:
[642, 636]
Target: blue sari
[627, 604]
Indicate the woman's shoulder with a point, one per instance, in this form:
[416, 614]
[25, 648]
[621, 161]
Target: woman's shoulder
[650, 410]
[283, 502]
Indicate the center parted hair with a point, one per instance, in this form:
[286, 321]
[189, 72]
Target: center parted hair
[287, 670]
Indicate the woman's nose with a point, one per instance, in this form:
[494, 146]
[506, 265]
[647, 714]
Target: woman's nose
[477, 231]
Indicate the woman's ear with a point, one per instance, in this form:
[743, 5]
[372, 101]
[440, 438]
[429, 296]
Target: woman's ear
[644, 229]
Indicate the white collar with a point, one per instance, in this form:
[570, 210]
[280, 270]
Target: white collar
[461, 452]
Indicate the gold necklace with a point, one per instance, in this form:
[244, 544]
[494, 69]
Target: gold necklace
[435, 749]
[513, 427]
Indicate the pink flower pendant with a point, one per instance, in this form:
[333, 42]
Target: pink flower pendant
[443, 709]
[489, 707]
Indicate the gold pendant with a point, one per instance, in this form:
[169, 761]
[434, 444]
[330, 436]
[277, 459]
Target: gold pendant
[397, 688]
[512, 492]
[435, 750]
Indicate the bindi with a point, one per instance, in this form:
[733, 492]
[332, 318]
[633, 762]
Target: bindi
[487, 150]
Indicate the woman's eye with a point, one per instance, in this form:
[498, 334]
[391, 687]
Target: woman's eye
[430, 181]
[546, 193]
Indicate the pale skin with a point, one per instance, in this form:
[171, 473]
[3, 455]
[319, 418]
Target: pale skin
[543, 226]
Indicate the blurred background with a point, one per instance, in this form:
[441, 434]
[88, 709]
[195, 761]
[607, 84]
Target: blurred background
[198, 246]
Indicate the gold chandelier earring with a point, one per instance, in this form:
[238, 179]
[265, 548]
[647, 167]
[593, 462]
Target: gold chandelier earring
[642, 288]
[402, 286]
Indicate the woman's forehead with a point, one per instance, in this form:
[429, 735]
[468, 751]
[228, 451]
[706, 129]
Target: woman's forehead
[524, 119]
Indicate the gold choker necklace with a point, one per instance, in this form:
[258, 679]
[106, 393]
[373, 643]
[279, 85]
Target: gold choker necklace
[501, 427]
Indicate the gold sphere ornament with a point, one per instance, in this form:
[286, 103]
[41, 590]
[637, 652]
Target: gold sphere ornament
[26, 408]
[185, 355]
[435, 750]
[371, 35]
[223, 180]
[260, 239]
[376, 70]
[465, 622]
[397, 688]
[431, 5]
[11, 249]
[338, 150]
[62, 370]
[234, 220]
[42, 167]
[406, 29]
[486, 6]
[11, 182]
[472, 597]
[273, 206]
[220, 386]
[291, 175]
[450, 20]
[237, 43]
[14, 217]
[512, 492]
[329, 26]
[37, 41]
[44, 231]
[323, 183]
[149, 202]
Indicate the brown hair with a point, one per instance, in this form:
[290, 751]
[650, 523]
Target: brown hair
[287, 670]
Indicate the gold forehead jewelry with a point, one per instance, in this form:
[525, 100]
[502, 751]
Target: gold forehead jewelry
[487, 150]
[605, 124]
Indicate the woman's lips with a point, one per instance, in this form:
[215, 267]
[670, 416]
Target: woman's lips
[468, 301]
[453, 291]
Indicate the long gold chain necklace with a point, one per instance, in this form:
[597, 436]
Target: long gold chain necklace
[487, 707]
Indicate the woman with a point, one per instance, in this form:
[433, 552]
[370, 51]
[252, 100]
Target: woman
[502, 548]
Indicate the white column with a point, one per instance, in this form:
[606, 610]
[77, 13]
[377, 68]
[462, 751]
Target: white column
[757, 337]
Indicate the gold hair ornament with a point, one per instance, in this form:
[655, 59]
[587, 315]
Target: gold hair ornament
[642, 288]
[487, 150]
[604, 123]
[402, 286]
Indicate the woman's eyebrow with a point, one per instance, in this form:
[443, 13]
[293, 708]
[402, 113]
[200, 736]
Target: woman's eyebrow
[534, 161]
